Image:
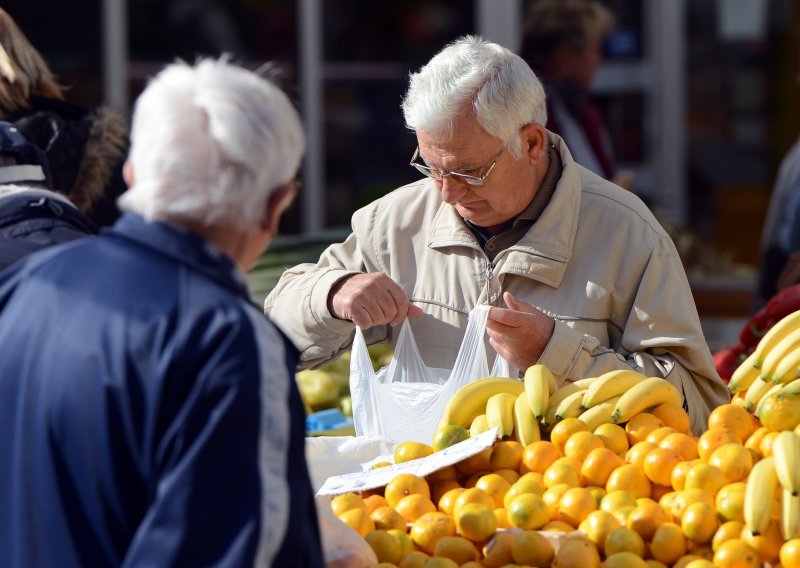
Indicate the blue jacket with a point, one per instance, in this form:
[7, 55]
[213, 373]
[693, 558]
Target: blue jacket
[148, 412]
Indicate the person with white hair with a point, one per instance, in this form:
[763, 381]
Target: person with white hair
[150, 413]
[581, 276]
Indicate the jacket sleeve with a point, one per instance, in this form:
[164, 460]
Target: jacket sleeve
[661, 337]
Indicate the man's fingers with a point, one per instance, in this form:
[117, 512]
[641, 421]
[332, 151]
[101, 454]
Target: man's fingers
[414, 312]
[518, 305]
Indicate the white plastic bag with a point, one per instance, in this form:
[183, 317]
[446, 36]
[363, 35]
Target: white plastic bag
[406, 400]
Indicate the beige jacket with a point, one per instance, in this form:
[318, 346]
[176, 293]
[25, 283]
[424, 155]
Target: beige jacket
[597, 261]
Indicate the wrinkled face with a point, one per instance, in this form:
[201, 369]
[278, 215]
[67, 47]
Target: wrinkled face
[507, 190]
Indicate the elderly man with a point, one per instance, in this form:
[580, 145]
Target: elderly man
[149, 412]
[504, 216]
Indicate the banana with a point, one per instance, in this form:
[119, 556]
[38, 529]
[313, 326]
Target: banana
[525, 424]
[571, 406]
[786, 451]
[647, 393]
[773, 390]
[792, 387]
[470, 400]
[610, 385]
[561, 394]
[500, 413]
[759, 495]
[599, 413]
[539, 383]
[479, 425]
[774, 336]
[744, 375]
[755, 393]
[790, 515]
[788, 369]
[787, 345]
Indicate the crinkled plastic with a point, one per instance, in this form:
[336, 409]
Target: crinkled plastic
[406, 400]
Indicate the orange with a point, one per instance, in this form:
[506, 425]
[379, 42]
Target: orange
[735, 553]
[407, 451]
[414, 506]
[580, 444]
[658, 465]
[622, 513]
[532, 549]
[597, 525]
[525, 484]
[597, 492]
[456, 548]
[682, 444]
[358, 520]
[528, 511]
[631, 478]
[713, 438]
[790, 553]
[613, 436]
[639, 451]
[730, 503]
[557, 526]
[501, 515]
[572, 462]
[403, 485]
[668, 543]
[705, 476]
[623, 539]
[506, 455]
[640, 426]
[414, 559]
[551, 498]
[402, 537]
[510, 475]
[780, 412]
[497, 552]
[657, 492]
[473, 479]
[659, 434]
[386, 547]
[439, 562]
[699, 522]
[476, 521]
[447, 501]
[727, 531]
[345, 502]
[538, 456]
[475, 463]
[733, 417]
[598, 465]
[575, 505]
[767, 544]
[684, 561]
[577, 551]
[674, 416]
[439, 489]
[472, 495]
[449, 473]
[646, 517]
[754, 440]
[374, 502]
[683, 499]
[386, 518]
[624, 560]
[734, 460]
[561, 474]
[430, 528]
[564, 429]
[447, 436]
[496, 486]
[616, 499]
[765, 446]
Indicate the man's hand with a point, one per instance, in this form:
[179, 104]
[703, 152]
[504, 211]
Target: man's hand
[371, 299]
[519, 333]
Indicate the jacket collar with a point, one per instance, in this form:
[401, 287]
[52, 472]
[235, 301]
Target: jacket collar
[183, 247]
[543, 252]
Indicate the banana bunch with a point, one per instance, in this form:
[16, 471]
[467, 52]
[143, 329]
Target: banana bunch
[781, 471]
[777, 355]
[760, 391]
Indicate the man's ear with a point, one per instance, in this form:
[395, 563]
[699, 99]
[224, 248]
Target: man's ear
[534, 140]
[127, 173]
[280, 200]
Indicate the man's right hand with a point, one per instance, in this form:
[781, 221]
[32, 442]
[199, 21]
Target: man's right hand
[371, 299]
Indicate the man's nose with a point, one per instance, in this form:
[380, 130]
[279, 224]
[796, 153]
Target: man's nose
[452, 189]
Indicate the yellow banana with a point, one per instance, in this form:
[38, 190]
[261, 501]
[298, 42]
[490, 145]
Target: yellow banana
[744, 375]
[774, 336]
[479, 425]
[788, 368]
[539, 383]
[571, 406]
[562, 393]
[755, 393]
[790, 343]
[790, 515]
[786, 451]
[792, 387]
[610, 385]
[775, 389]
[599, 413]
[759, 494]
[470, 400]
[647, 393]
[500, 413]
[525, 424]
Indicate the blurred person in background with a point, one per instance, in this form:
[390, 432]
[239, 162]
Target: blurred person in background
[32, 215]
[582, 277]
[85, 148]
[150, 415]
[562, 41]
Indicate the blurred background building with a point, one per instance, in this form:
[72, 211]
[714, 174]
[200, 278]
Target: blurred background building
[700, 97]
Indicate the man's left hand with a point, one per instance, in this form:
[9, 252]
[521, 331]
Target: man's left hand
[519, 333]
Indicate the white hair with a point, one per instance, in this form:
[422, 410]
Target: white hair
[501, 88]
[210, 143]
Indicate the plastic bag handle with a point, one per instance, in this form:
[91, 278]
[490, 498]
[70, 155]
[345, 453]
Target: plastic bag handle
[471, 359]
[407, 365]
[362, 385]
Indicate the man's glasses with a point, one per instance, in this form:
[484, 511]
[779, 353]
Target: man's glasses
[468, 177]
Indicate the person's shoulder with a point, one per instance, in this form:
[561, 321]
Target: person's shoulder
[599, 192]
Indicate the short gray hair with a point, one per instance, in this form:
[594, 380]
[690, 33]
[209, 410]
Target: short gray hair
[501, 89]
[210, 143]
